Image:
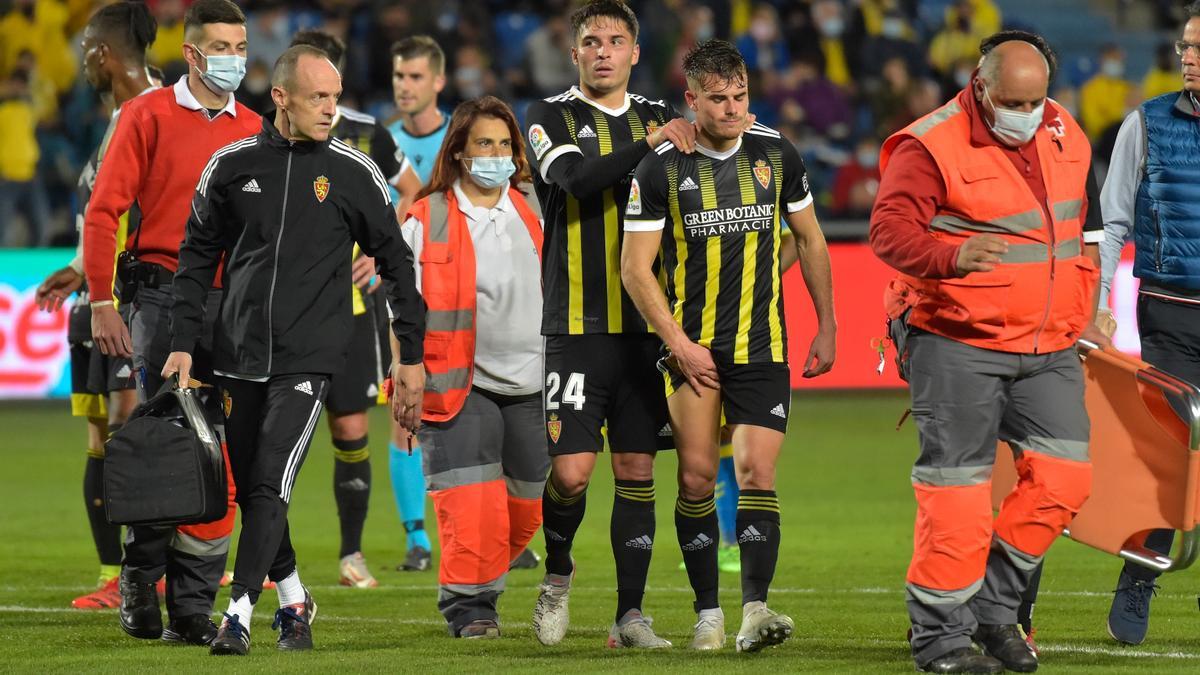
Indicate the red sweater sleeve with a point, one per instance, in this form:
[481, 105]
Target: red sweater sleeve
[910, 191]
[117, 185]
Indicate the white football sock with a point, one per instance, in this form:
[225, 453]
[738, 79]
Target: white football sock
[291, 591]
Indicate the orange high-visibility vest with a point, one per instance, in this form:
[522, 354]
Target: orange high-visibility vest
[448, 286]
[1040, 296]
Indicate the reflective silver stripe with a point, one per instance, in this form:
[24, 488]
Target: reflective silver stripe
[951, 476]
[439, 223]
[1026, 253]
[467, 475]
[1020, 559]
[451, 591]
[950, 110]
[524, 489]
[1068, 209]
[440, 383]
[1069, 248]
[186, 543]
[449, 319]
[1076, 451]
[930, 596]
[1014, 224]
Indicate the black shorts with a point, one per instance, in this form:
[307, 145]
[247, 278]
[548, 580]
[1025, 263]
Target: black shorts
[758, 394]
[93, 375]
[604, 381]
[359, 386]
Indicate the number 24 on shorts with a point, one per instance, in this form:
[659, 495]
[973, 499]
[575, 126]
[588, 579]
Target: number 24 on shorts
[572, 393]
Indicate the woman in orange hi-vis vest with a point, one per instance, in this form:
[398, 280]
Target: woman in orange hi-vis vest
[980, 208]
[476, 241]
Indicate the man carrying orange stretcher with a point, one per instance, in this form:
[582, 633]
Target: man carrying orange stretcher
[981, 209]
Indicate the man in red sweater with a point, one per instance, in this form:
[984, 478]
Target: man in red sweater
[160, 146]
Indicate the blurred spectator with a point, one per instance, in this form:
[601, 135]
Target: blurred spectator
[889, 100]
[857, 181]
[698, 26]
[983, 14]
[21, 190]
[472, 75]
[895, 39]
[255, 92]
[548, 57]
[804, 97]
[830, 21]
[167, 50]
[39, 27]
[762, 45]
[957, 40]
[1102, 98]
[1163, 76]
[269, 32]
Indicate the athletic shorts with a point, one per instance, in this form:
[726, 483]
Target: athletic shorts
[93, 375]
[596, 382]
[360, 384]
[759, 394]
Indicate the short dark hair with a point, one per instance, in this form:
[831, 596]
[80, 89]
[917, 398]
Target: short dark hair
[611, 9]
[416, 46]
[714, 59]
[204, 12]
[996, 39]
[1192, 10]
[128, 28]
[284, 73]
[326, 42]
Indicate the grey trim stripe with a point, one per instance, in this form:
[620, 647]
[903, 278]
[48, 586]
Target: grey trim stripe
[440, 383]
[186, 543]
[449, 319]
[950, 110]
[1020, 559]
[439, 218]
[1032, 253]
[467, 475]
[1068, 209]
[930, 596]
[293, 463]
[1014, 224]
[951, 476]
[524, 489]
[451, 591]
[1076, 451]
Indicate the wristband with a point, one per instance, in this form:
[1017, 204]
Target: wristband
[101, 303]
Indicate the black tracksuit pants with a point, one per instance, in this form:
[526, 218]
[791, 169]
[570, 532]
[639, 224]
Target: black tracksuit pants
[269, 427]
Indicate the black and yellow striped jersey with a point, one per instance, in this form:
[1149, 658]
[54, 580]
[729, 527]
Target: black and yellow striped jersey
[720, 253]
[581, 256]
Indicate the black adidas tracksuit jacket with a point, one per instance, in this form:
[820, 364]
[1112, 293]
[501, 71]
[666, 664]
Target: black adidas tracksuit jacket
[285, 216]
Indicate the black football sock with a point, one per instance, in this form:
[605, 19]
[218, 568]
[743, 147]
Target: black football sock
[758, 539]
[698, 530]
[561, 517]
[632, 534]
[351, 490]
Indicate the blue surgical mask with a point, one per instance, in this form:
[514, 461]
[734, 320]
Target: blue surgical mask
[490, 173]
[225, 71]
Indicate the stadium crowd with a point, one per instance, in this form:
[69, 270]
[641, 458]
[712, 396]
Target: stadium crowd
[835, 76]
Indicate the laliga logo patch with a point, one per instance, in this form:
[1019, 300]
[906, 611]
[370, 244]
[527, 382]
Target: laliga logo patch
[554, 427]
[321, 188]
[762, 173]
[634, 206]
[539, 140]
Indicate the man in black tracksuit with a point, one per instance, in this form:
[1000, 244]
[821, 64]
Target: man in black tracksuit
[284, 208]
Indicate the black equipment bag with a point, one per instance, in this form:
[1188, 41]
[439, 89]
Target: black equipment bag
[165, 465]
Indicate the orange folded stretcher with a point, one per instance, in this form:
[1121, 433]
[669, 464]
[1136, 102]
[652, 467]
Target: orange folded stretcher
[1145, 461]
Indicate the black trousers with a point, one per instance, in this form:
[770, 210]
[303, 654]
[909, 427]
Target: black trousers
[1170, 334]
[269, 427]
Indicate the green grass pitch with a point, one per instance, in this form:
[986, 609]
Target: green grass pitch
[847, 523]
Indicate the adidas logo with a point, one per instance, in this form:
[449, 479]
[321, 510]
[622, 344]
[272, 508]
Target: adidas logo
[688, 184]
[702, 541]
[665, 432]
[643, 542]
[305, 387]
[586, 132]
[751, 534]
[252, 186]
[358, 485]
[553, 535]
[778, 411]
[125, 372]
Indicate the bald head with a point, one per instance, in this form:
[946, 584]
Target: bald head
[305, 87]
[1015, 75]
